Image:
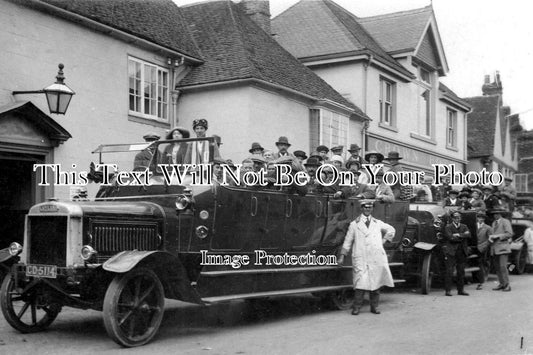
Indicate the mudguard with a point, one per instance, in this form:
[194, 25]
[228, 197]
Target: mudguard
[126, 260]
[168, 268]
[5, 255]
[425, 246]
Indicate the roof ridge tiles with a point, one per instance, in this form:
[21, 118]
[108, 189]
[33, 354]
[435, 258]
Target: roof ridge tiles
[416, 11]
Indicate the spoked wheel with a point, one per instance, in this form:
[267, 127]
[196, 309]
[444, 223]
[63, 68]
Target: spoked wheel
[133, 307]
[426, 276]
[26, 310]
[341, 300]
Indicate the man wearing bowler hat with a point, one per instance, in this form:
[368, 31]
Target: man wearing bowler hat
[394, 160]
[354, 154]
[283, 145]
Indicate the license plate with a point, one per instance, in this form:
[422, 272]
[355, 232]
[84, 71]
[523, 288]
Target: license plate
[47, 271]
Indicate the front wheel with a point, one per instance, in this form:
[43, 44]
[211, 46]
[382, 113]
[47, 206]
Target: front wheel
[133, 307]
[426, 276]
[26, 310]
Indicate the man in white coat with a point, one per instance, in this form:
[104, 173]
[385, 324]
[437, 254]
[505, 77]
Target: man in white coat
[370, 265]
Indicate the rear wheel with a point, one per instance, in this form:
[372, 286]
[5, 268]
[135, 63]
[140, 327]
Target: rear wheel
[133, 307]
[26, 310]
[340, 300]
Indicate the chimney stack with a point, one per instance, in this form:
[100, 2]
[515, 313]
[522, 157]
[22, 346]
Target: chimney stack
[259, 12]
[494, 88]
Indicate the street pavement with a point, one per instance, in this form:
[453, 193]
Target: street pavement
[486, 322]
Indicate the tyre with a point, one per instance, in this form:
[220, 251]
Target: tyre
[26, 311]
[133, 307]
[426, 275]
[340, 300]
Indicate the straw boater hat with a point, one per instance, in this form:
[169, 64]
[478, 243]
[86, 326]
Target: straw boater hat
[393, 156]
[373, 152]
[185, 133]
[255, 146]
[283, 140]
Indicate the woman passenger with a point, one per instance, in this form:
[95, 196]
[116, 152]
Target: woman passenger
[175, 152]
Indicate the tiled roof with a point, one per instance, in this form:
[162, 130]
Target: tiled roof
[158, 21]
[314, 29]
[234, 48]
[482, 124]
[399, 31]
[447, 92]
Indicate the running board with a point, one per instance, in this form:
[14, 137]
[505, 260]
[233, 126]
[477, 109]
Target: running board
[275, 293]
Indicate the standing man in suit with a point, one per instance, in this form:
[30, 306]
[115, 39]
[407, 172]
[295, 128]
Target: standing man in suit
[482, 233]
[365, 237]
[501, 247]
[455, 249]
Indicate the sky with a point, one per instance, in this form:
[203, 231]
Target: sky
[480, 37]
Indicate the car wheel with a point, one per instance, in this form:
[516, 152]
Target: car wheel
[23, 309]
[133, 307]
[341, 300]
[426, 276]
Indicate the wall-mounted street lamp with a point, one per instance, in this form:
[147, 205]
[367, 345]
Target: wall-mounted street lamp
[58, 94]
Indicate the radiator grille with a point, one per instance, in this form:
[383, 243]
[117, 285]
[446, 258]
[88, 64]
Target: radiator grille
[48, 240]
[111, 237]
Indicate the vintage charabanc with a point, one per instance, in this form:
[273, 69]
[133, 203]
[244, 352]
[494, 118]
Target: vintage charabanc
[137, 244]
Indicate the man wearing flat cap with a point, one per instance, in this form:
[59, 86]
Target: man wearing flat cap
[455, 249]
[144, 157]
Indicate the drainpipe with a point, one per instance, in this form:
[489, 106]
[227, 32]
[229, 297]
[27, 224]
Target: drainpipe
[365, 97]
[174, 94]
